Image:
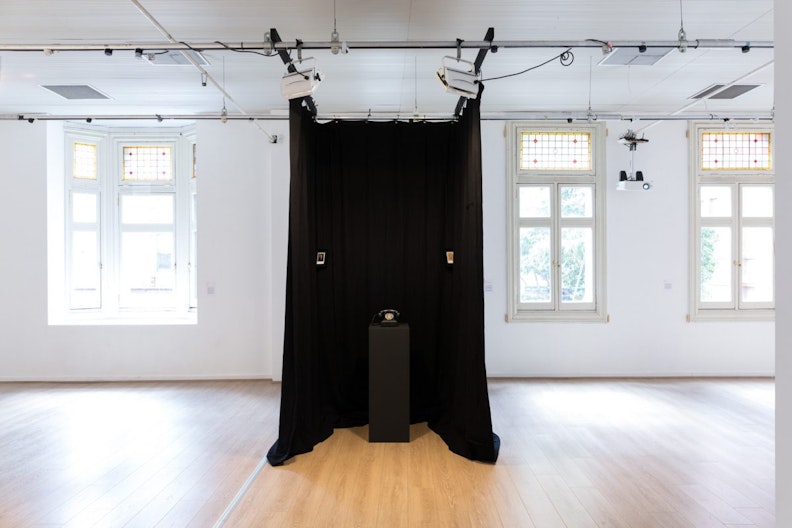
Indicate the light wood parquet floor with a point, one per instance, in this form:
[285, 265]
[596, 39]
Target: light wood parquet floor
[575, 453]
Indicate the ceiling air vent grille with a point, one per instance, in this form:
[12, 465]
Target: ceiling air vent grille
[75, 91]
[634, 56]
[176, 58]
[716, 91]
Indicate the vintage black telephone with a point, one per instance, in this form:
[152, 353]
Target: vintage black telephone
[387, 317]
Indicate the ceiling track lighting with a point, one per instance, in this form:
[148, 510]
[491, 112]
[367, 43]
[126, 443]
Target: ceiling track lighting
[138, 53]
[108, 52]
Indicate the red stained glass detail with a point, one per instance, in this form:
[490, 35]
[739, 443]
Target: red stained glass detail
[536, 140]
[715, 161]
[574, 140]
[536, 161]
[574, 161]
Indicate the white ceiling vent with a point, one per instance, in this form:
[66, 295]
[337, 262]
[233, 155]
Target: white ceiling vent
[716, 91]
[634, 56]
[75, 91]
[176, 58]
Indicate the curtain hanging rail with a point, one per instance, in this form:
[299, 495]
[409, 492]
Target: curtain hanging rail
[405, 44]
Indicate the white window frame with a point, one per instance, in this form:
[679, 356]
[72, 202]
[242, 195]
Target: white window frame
[516, 178]
[110, 187]
[735, 180]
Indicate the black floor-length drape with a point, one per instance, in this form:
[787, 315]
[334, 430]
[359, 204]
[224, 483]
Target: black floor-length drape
[384, 201]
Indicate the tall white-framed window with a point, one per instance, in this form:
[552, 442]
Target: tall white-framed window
[556, 217]
[732, 219]
[130, 226]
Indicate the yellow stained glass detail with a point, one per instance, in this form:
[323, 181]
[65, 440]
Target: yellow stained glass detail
[736, 151]
[84, 165]
[147, 163]
[555, 151]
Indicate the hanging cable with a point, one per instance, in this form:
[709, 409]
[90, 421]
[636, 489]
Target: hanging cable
[566, 58]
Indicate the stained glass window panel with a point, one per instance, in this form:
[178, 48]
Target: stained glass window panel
[736, 151]
[148, 164]
[555, 151]
[84, 164]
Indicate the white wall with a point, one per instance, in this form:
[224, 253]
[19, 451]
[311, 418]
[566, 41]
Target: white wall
[243, 217]
[783, 83]
[234, 337]
[647, 285]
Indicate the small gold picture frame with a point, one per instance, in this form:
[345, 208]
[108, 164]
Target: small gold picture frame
[449, 257]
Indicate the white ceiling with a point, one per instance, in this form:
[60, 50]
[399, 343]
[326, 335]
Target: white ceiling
[382, 81]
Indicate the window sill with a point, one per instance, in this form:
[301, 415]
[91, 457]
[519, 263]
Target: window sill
[126, 319]
[558, 317]
[732, 315]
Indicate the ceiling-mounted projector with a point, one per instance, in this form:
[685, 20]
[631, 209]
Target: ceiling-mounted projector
[459, 76]
[636, 184]
[632, 181]
[301, 82]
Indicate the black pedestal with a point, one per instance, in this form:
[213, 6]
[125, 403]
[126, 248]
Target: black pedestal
[389, 383]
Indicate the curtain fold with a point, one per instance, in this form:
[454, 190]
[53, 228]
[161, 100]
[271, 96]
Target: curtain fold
[384, 201]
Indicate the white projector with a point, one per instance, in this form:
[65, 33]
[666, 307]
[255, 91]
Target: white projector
[460, 77]
[300, 83]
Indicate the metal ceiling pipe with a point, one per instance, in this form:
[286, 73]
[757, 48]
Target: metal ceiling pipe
[492, 116]
[383, 45]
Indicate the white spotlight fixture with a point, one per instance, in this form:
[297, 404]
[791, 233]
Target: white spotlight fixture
[301, 82]
[459, 76]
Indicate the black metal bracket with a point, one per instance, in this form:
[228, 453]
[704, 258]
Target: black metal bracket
[489, 37]
[284, 55]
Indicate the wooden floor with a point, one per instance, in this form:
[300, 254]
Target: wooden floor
[582, 453]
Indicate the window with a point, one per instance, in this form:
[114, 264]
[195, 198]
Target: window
[556, 222]
[130, 225]
[732, 249]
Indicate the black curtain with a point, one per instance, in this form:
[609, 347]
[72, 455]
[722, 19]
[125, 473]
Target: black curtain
[384, 201]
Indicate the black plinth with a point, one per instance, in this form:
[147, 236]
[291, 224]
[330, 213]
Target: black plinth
[389, 383]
